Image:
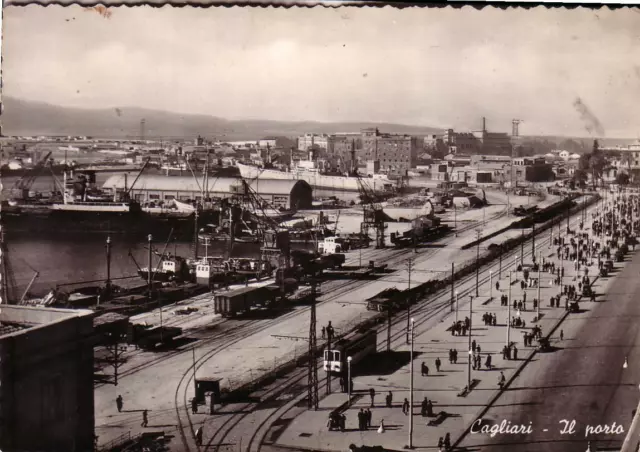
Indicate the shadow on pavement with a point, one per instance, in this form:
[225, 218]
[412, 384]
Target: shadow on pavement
[385, 363]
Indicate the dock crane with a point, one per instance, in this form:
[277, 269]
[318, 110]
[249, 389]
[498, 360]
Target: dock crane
[374, 216]
[22, 186]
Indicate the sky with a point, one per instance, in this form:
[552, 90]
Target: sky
[562, 72]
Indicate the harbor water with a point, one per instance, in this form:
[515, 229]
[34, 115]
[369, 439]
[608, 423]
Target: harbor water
[62, 259]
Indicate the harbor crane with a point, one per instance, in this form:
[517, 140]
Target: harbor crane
[22, 186]
[374, 216]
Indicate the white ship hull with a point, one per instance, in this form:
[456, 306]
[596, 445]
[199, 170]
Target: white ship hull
[316, 180]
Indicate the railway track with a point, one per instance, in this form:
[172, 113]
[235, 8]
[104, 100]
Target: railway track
[424, 314]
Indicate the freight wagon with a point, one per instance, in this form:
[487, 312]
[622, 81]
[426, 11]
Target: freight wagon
[150, 338]
[240, 301]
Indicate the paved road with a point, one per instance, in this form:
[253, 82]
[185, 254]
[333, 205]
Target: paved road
[583, 380]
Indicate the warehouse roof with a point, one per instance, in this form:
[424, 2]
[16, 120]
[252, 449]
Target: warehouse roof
[189, 184]
[171, 183]
[276, 186]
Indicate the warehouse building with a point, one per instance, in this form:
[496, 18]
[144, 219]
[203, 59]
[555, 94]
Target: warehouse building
[46, 379]
[284, 193]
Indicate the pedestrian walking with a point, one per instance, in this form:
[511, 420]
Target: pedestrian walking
[372, 394]
[389, 399]
[368, 417]
[145, 419]
[361, 419]
[329, 331]
[515, 353]
[119, 403]
[324, 332]
[561, 335]
[502, 380]
[447, 441]
[440, 444]
[199, 436]
[497, 285]
[438, 364]
[194, 406]
[405, 407]
[487, 363]
[424, 369]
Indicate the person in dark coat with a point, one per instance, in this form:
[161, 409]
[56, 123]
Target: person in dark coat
[361, 420]
[438, 364]
[368, 417]
[194, 406]
[405, 406]
[515, 353]
[423, 407]
[372, 394]
[145, 419]
[424, 369]
[429, 408]
[447, 441]
[119, 403]
[389, 399]
[199, 436]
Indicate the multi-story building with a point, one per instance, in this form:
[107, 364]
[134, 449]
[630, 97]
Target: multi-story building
[46, 379]
[310, 140]
[397, 154]
[480, 141]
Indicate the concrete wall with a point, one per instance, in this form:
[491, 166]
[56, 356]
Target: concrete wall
[46, 387]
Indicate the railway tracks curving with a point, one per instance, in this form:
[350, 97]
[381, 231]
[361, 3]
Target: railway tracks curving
[424, 313]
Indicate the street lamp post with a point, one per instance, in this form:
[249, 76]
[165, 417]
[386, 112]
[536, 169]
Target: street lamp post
[349, 359]
[411, 389]
[539, 300]
[456, 306]
[490, 284]
[470, 351]
[509, 313]
[455, 219]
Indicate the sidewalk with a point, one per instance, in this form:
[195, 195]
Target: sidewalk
[308, 430]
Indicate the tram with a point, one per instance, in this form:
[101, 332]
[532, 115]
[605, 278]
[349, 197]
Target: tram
[356, 346]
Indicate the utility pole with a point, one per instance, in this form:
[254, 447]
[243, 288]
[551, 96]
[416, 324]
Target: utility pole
[470, 350]
[509, 313]
[409, 266]
[521, 246]
[149, 272]
[411, 390]
[329, 334]
[389, 327]
[453, 279]
[533, 239]
[312, 394]
[477, 260]
[500, 268]
[539, 299]
[108, 283]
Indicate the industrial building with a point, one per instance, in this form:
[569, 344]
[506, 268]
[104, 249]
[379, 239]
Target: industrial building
[397, 154]
[46, 379]
[285, 193]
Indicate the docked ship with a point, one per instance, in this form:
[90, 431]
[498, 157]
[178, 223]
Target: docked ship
[79, 207]
[307, 171]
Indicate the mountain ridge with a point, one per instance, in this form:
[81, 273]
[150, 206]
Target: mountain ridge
[32, 118]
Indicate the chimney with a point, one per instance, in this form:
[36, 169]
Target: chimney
[484, 124]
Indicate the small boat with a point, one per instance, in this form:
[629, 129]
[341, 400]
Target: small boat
[171, 268]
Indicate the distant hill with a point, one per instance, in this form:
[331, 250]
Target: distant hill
[28, 118]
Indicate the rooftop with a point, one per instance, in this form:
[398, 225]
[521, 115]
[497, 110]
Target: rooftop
[170, 183]
[15, 320]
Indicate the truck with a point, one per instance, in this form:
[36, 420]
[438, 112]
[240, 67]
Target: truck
[332, 245]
